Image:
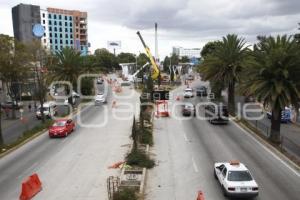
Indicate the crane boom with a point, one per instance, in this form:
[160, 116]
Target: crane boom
[155, 72]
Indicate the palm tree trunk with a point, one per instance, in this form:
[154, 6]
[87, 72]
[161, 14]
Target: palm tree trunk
[1, 136]
[231, 99]
[275, 126]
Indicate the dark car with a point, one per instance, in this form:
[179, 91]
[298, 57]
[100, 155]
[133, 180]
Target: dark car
[188, 110]
[201, 91]
[217, 114]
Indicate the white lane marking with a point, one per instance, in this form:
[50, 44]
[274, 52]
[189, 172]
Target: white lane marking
[195, 165]
[185, 137]
[268, 150]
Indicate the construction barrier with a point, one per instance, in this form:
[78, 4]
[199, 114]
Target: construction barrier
[116, 165]
[30, 187]
[200, 196]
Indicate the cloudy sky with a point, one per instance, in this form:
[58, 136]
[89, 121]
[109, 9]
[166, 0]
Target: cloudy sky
[186, 23]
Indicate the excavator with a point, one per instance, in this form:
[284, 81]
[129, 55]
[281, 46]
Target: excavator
[155, 70]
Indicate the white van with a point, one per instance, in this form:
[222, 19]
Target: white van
[50, 110]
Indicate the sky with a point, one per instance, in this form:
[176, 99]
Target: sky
[185, 23]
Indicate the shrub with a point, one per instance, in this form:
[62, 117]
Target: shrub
[140, 159]
[145, 136]
[125, 194]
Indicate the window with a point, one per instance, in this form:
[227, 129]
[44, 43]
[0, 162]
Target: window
[71, 36]
[70, 18]
[55, 23]
[59, 23]
[60, 35]
[61, 41]
[54, 16]
[66, 35]
[60, 29]
[50, 22]
[66, 18]
[44, 34]
[67, 42]
[76, 24]
[224, 171]
[55, 41]
[71, 24]
[77, 36]
[66, 23]
[44, 22]
[76, 29]
[76, 18]
[71, 41]
[50, 41]
[71, 30]
[55, 29]
[59, 16]
[56, 48]
[43, 15]
[66, 29]
[61, 47]
[49, 16]
[55, 34]
[45, 40]
[50, 28]
[50, 34]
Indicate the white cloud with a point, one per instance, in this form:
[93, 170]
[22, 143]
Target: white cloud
[188, 23]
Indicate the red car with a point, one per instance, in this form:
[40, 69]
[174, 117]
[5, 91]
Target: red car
[61, 128]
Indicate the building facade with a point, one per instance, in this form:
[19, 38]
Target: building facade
[63, 28]
[24, 17]
[189, 52]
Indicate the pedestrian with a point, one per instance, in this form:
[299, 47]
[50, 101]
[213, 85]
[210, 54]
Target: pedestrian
[6, 110]
[29, 107]
[35, 106]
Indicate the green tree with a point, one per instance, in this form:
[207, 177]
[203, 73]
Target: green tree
[126, 58]
[273, 76]
[67, 68]
[166, 64]
[209, 48]
[226, 65]
[105, 60]
[184, 59]
[174, 59]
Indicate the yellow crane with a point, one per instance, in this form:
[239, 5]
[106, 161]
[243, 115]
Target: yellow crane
[155, 69]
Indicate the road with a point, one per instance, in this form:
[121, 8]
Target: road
[186, 151]
[76, 167]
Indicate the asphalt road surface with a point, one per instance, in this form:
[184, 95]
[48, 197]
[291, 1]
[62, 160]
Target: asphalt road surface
[76, 167]
[186, 150]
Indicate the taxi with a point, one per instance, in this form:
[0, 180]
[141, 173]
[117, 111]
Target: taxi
[235, 179]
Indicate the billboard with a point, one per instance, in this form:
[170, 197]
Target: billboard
[113, 44]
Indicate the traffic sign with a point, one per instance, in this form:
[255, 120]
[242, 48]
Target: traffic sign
[38, 30]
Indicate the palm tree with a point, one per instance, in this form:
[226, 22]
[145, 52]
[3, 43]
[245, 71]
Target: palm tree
[273, 75]
[66, 68]
[225, 65]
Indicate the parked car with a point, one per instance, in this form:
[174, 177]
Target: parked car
[188, 93]
[62, 128]
[285, 115]
[201, 91]
[100, 98]
[188, 110]
[49, 110]
[10, 104]
[235, 179]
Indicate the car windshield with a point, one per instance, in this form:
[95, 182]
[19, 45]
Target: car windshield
[188, 90]
[60, 123]
[239, 176]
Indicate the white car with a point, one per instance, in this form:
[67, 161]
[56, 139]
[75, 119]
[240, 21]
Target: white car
[188, 93]
[100, 98]
[235, 179]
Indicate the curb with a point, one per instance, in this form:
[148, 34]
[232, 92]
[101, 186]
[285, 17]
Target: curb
[75, 112]
[143, 182]
[269, 146]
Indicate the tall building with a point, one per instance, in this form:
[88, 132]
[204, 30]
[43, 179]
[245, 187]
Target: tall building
[24, 17]
[63, 28]
[189, 52]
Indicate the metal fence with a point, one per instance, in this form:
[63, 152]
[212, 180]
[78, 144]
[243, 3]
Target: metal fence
[286, 143]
